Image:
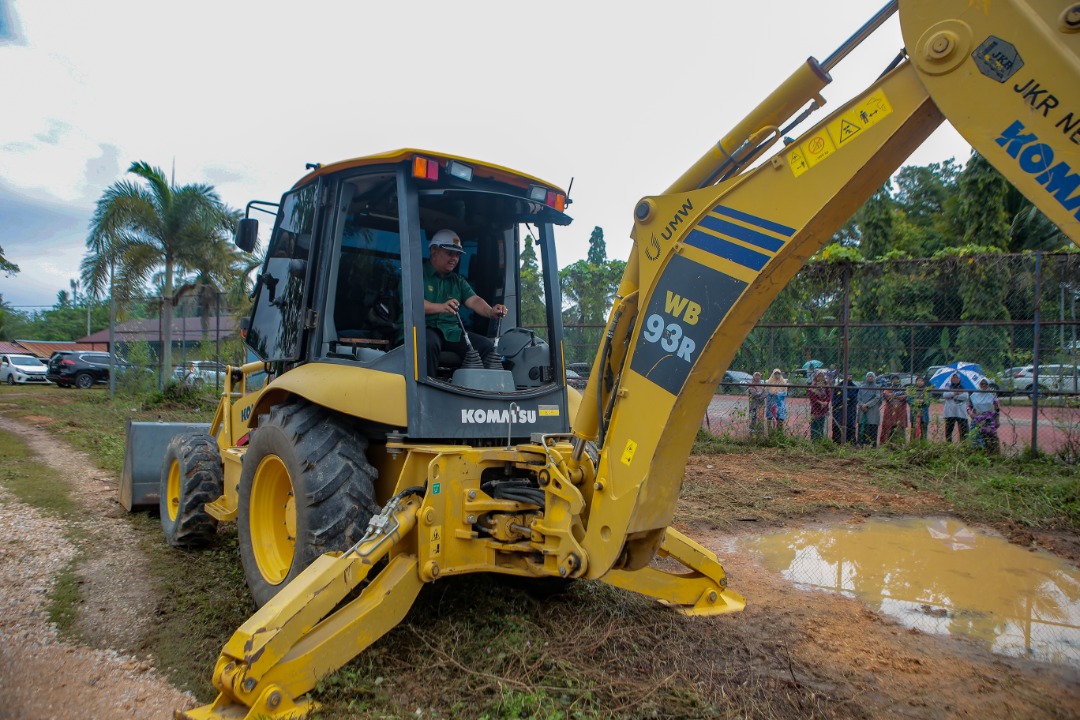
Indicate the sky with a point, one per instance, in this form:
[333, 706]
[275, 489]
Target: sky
[621, 97]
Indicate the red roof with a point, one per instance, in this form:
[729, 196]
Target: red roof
[45, 348]
[187, 328]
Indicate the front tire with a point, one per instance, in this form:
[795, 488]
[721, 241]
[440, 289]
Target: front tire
[191, 477]
[306, 488]
[11, 379]
[84, 381]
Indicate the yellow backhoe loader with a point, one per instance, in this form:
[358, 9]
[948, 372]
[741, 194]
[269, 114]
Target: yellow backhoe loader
[358, 467]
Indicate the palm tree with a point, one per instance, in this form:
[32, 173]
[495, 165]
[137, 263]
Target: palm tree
[140, 228]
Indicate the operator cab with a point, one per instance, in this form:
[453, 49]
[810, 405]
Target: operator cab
[343, 282]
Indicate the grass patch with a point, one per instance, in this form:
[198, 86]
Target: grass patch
[1039, 492]
[64, 599]
[31, 482]
[486, 649]
[203, 600]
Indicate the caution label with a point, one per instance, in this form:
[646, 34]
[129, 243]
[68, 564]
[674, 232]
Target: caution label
[435, 541]
[838, 133]
[628, 452]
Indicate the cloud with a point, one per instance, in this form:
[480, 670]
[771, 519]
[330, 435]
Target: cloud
[46, 240]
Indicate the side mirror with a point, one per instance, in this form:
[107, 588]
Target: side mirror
[247, 234]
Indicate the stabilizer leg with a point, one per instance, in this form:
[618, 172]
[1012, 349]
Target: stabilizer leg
[701, 591]
[298, 637]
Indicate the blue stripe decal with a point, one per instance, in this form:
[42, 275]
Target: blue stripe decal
[766, 242]
[752, 220]
[727, 250]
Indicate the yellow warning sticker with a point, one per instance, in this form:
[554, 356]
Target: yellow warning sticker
[842, 130]
[436, 541]
[628, 452]
[549, 411]
[797, 160]
[818, 147]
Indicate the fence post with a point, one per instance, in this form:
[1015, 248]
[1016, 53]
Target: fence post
[1035, 359]
[846, 278]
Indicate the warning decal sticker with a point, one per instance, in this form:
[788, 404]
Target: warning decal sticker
[841, 131]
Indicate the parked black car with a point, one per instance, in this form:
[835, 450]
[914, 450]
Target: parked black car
[80, 368]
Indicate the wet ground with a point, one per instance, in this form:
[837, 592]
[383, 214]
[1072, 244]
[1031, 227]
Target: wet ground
[939, 576]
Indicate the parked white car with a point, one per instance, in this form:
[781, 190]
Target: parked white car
[200, 372]
[22, 370]
[1052, 378]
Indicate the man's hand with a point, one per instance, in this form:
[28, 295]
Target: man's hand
[451, 306]
[498, 311]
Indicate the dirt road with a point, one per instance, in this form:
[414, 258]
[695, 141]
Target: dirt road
[858, 663]
[42, 676]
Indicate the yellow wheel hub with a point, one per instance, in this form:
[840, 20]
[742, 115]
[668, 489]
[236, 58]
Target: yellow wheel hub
[272, 520]
[172, 489]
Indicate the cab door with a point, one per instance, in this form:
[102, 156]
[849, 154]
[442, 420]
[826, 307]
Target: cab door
[280, 315]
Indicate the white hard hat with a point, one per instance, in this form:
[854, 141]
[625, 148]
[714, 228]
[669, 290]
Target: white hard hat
[447, 240]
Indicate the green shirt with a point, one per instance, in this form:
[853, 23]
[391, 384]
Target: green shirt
[439, 289]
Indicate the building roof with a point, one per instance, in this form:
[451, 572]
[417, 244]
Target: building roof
[45, 348]
[183, 329]
[9, 348]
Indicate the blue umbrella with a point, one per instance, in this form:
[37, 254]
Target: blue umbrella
[812, 364]
[970, 375]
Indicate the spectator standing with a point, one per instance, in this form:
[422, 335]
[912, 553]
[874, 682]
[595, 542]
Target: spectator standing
[955, 408]
[756, 401]
[845, 404]
[919, 402]
[820, 396]
[869, 410]
[776, 409]
[894, 412]
[985, 411]
[832, 375]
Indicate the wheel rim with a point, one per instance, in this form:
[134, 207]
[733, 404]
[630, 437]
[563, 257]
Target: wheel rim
[172, 489]
[272, 520]
[84, 381]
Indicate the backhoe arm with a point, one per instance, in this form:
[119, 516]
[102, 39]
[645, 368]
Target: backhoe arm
[707, 261]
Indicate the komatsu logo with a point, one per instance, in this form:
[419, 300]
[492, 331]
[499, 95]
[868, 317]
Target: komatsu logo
[503, 417]
[1037, 158]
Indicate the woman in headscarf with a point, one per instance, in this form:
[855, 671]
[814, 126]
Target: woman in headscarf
[894, 411]
[869, 410]
[756, 394]
[985, 411]
[954, 409]
[820, 396]
[776, 410]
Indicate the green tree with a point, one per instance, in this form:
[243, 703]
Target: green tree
[876, 223]
[588, 290]
[981, 216]
[533, 307]
[139, 229]
[6, 266]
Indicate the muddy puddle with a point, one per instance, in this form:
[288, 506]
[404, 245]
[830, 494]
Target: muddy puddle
[942, 577]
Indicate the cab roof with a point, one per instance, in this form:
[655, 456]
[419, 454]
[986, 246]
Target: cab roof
[480, 168]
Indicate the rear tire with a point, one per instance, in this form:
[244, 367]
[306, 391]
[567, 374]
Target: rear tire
[84, 381]
[191, 477]
[306, 488]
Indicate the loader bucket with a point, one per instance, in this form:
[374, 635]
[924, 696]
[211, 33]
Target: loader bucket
[144, 451]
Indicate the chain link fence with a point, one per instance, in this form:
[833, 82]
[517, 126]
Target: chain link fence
[203, 340]
[1013, 316]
